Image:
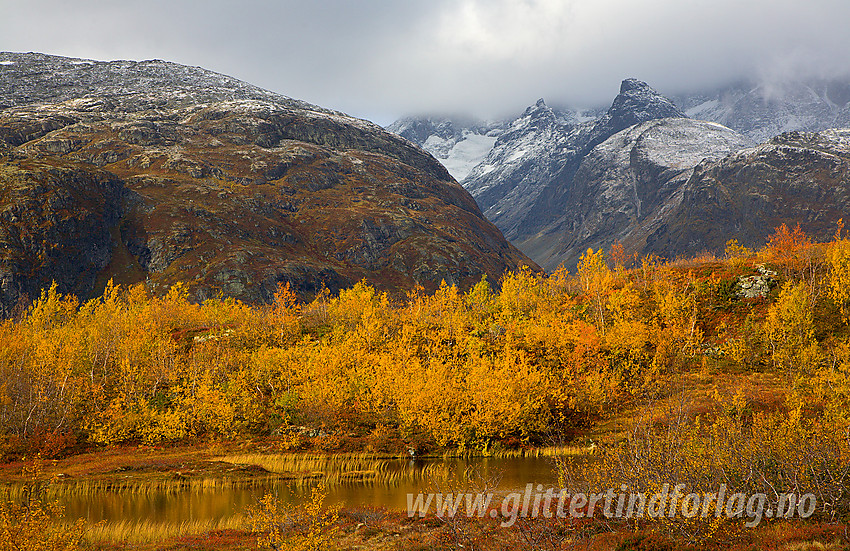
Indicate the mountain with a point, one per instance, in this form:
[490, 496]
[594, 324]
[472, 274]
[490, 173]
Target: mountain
[627, 187]
[556, 182]
[756, 109]
[528, 154]
[526, 181]
[157, 172]
[677, 186]
[796, 177]
[667, 185]
[762, 110]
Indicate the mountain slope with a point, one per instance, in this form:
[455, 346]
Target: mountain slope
[152, 171]
[797, 177]
[627, 186]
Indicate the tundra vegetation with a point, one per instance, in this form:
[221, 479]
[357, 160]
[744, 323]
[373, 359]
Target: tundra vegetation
[676, 372]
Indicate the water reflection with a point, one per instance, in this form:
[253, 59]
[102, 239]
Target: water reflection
[399, 477]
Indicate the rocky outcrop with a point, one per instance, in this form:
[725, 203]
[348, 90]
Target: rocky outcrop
[54, 226]
[162, 173]
[756, 286]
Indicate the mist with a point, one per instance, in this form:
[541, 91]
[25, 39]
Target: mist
[382, 59]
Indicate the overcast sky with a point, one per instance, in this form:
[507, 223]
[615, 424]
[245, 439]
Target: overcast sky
[381, 59]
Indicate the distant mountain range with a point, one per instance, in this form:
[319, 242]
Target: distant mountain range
[161, 173]
[558, 181]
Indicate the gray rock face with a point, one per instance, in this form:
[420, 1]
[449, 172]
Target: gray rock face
[637, 102]
[842, 120]
[419, 129]
[54, 226]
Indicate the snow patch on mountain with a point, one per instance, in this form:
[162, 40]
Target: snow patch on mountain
[466, 154]
[459, 143]
[459, 156]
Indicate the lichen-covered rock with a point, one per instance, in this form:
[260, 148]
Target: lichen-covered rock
[756, 286]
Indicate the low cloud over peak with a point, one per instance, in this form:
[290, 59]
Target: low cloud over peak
[380, 59]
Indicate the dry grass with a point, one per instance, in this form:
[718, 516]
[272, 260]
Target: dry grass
[337, 468]
[546, 451]
[142, 532]
[94, 488]
[815, 546]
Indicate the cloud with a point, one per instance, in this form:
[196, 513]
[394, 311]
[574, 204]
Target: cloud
[382, 58]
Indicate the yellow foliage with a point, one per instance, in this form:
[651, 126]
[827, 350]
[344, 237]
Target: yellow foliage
[509, 360]
[597, 281]
[838, 257]
[113, 424]
[310, 527]
[36, 528]
[156, 425]
[736, 253]
[789, 331]
[208, 407]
